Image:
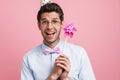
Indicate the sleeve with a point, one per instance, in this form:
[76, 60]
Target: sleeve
[26, 72]
[86, 72]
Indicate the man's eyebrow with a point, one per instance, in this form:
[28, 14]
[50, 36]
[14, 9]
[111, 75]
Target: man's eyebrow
[43, 19]
[56, 18]
[52, 18]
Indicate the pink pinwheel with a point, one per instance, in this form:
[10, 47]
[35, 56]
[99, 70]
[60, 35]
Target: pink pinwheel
[69, 30]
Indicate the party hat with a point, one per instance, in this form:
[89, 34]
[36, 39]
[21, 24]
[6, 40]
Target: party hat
[43, 2]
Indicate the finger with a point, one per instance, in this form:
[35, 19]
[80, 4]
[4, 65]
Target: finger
[63, 59]
[67, 65]
[64, 75]
[62, 62]
[66, 68]
[64, 56]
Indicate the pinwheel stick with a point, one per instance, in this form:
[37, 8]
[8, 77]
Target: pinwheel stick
[64, 46]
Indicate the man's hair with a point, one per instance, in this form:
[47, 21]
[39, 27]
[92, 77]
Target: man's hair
[50, 7]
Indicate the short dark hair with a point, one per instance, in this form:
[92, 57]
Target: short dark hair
[50, 7]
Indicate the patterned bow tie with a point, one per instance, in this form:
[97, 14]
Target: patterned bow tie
[50, 51]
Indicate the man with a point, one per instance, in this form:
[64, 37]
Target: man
[46, 61]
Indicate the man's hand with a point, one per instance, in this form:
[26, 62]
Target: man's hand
[63, 62]
[61, 68]
[57, 71]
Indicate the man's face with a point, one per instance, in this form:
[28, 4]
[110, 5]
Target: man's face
[50, 26]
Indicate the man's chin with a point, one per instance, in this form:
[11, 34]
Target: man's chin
[51, 41]
[48, 40]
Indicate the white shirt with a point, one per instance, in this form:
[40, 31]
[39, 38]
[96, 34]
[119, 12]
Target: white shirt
[38, 66]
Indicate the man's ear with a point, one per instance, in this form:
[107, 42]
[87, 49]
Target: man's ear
[62, 24]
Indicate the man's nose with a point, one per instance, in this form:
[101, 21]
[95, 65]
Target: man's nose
[50, 26]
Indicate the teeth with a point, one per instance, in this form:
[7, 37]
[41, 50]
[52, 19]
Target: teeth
[50, 32]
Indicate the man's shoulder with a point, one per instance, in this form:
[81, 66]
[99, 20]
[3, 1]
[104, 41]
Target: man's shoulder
[76, 48]
[33, 51]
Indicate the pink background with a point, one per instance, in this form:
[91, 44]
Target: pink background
[97, 22]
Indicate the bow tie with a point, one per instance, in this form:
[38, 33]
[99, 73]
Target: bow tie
[51, 51]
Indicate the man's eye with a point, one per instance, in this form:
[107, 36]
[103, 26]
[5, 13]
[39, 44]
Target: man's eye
[44, 22]
[55, 22]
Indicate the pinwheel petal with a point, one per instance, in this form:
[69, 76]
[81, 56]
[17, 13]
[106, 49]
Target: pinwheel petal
[69, 30]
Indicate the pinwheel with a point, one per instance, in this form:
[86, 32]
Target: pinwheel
[69, 30]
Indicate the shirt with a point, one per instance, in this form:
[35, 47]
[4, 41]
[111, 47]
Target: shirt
[38, 66]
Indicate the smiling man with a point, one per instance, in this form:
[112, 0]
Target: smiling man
[46, 61]
[50, 26]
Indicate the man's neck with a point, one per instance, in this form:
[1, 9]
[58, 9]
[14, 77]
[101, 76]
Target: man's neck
[52, 44]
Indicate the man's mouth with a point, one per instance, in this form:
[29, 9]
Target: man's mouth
[50, 34]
